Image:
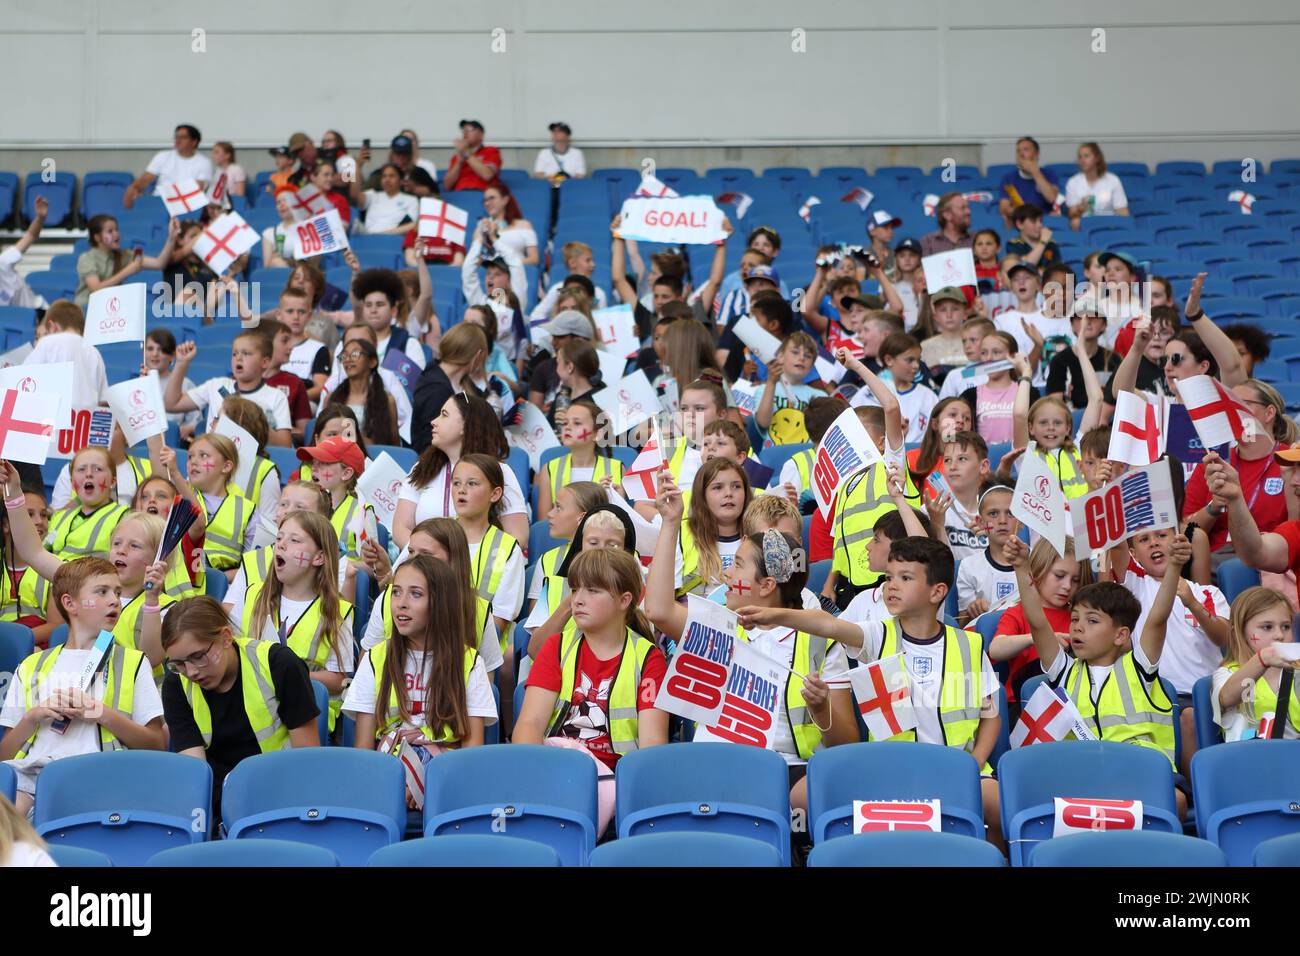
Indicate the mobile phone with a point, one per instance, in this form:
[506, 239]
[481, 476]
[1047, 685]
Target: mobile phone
[366, 142]
[138, 251]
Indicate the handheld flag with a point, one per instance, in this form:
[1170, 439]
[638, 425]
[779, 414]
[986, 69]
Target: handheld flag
[1218, 415]
[1135, 436]
[884, 697]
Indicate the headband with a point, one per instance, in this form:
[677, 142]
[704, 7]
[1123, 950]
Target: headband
[777, 558]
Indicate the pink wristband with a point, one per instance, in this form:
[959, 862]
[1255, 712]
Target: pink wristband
[13, 504]
[152, 608]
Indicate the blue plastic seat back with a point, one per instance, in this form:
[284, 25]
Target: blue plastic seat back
[892, 770]
[716, 787]
[246, 853]
[126, 804]
[1245, 793]
[546, 794]
[906, 848]
[346, 800]
[776, 456]
[1128, 848]
[1279, 851]
[405, 457]
[76, 857]
[471, 850]
[698, 849]
[1235, 577]
[8, 782]
[1031, 778]
[1208, 733]
[16, 644]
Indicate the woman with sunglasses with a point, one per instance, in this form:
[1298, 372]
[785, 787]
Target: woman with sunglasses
[227, 698]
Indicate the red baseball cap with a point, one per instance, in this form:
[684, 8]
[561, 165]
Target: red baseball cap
[337, 449]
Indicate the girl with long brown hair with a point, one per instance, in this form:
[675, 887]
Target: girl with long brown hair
[711, 533]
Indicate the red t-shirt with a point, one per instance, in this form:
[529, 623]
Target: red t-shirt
[295, 391]
[588, 720]
[1013, 622]
[1261, 486]
[435, 250]
[821, 547]
[340, 204]
[469, 178]
[1290, 530]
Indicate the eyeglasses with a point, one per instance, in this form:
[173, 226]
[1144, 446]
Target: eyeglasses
[1176, 359]
[354, 354]
[197, 661]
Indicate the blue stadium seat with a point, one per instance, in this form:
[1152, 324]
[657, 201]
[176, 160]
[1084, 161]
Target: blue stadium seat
[271, 278]
[8, 782]
[517, 460]
[1245, 793]
[1234, 576]
[1128, 848]
[16, 645]
[101, 193]
[540, 540]
[246, 853]
[215, 584]
[58, 193]
[1032, 777]
[285, 459]
[672, 850]
[1279, 851]
[1030, 685]
[53, 285]
[76, 857]
[127, 804]
[777, 455]
[715, 787]
[1129, 170]
[323, 706]
[1208, 732]
[8, 195]
[346, 800]
[405, 457]
[996, 451]
[906, 848]
[885, 770]
[818, 572]
[545, 794]
[469, 850]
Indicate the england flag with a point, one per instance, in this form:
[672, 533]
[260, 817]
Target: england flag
[1135, 434]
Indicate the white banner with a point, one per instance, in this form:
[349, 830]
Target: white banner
[612, 366]
[953, 268]
[639, 479]
[755, 684]
[380, 485]
[760, 341]
[318, 236]
[137, 405]
[616, 327]
[1138, 500]
[1038, 500]
[845, 449]
[116, 314]
[17, 356]
[309, 201]
[48, 378]
[1046, 717]
[246, 445]
[871, 816]
[1135, 437]
[533, 433]
[696, 681]
[1075, 815]
[628, 402]
[26, 425]
[693, 220]
[184, 196]
[87, 428]
[744, 395]
[440, 220]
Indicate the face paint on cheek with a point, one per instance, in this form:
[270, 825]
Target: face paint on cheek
[740, 587]
[302, 559]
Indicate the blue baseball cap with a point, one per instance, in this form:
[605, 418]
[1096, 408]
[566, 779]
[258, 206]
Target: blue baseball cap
[764, 272]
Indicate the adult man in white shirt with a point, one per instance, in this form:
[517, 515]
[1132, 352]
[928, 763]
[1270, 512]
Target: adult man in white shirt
[560, 159]
[174, 165]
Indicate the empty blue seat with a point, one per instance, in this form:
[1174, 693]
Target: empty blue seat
[76, 857]
[1279, 851]
[906, 848]
[405, 457]
[818, 572]
[469, 850]
[545, 794]
[672, 850]
[714, 787]
[1128, 848]
[540, 540]
[1032, 777]
[8, 782]
[885, 770]
[127, 804]
[517, 460]
[346, 800]
[246, 853]
[16, 645]
[52, 285]
[1134, 170]
[8, 195]
[1234, 576]
[1208, 732]
[58, 192]
[101, 193]
[1246, 793]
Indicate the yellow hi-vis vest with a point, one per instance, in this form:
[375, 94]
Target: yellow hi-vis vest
[1065, 465]
[859, 504]
[223, 543]
[304, 636]
[556, 587]
[490, 563]
[482, 608]
[260, 703]
[257, 564]
[692, 582]
[961, 687]
[1266, 702]
[803, 464]
[677, 459]
[141, 468]
[30, 599]
[1125, 712]
[119, 687]
[130, 622]
[75, 535]
[341, 519]
[393, 715]
[559, 471]
[809, 656]
[262, 469]
[622, 696]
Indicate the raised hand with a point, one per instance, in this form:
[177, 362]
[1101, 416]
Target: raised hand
[1015, 552]
[1194, 296]
[1180, 552]
[185, 352]
[668, 498]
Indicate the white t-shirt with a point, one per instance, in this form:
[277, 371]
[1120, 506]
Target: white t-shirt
[342, 658]
[89, 379]
[1108, 193]
[479, 701]
[1188, 654]
[790, 473]
[82, 736]
[270, 399]
[392, 385]
[924, 662]
[911, 307]
[956, 382]
[489, 650]
[964, 542]
[778, 644]
[1099, 672]
[435, 500]
[1009, 322]
[302, 358]
[915, 405]
[508, 600]
[543, 311]
[550, 163]
[171, 167]
[13, 287]
[981, 577]
[868, 607]
[24, 854]
[428, 166]
[383, 212]
[517, 241]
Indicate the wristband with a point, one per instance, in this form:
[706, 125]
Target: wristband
[1200, 314]
[13, 504]
[152, 608]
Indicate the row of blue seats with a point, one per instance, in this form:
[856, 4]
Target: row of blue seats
[136, 804]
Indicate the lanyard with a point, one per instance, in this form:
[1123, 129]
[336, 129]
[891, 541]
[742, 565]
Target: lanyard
[446, 493]
[1263, 477]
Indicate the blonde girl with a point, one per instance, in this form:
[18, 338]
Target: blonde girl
[1245, 688]
[231, 518]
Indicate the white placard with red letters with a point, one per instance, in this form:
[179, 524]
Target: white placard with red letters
[696, 682]
[380, 485]
[87, 428]
[1138, 500]
[694, 220]
[750, 706]
[318, 236]
[616, 327]
[1077, 815]
[845, 449]
[116, 314]
[137, 405]
[872, 816]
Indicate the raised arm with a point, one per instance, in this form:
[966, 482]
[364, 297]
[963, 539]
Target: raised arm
[661, 587]
[1153, 632]
[1092, 386]
[1231, 370]
[28, 544]
[34, 230]
[164, 258]
[763, 414]
[1126, 375]
[1020, 408]
[618, 265]
[469, 283]
[1016, 553]
[174, 397]
[896, 484]
[1267, 552]
[812, 298]
[884, 396]
[717, 269]
[893, 302]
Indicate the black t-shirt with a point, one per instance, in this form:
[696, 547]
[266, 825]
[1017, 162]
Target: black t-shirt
[1065, 369]
[432, 389]
[545, 380]
[232, 734]
[1148, 374]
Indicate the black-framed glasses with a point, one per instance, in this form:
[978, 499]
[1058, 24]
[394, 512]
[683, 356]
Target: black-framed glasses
[197, 661]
